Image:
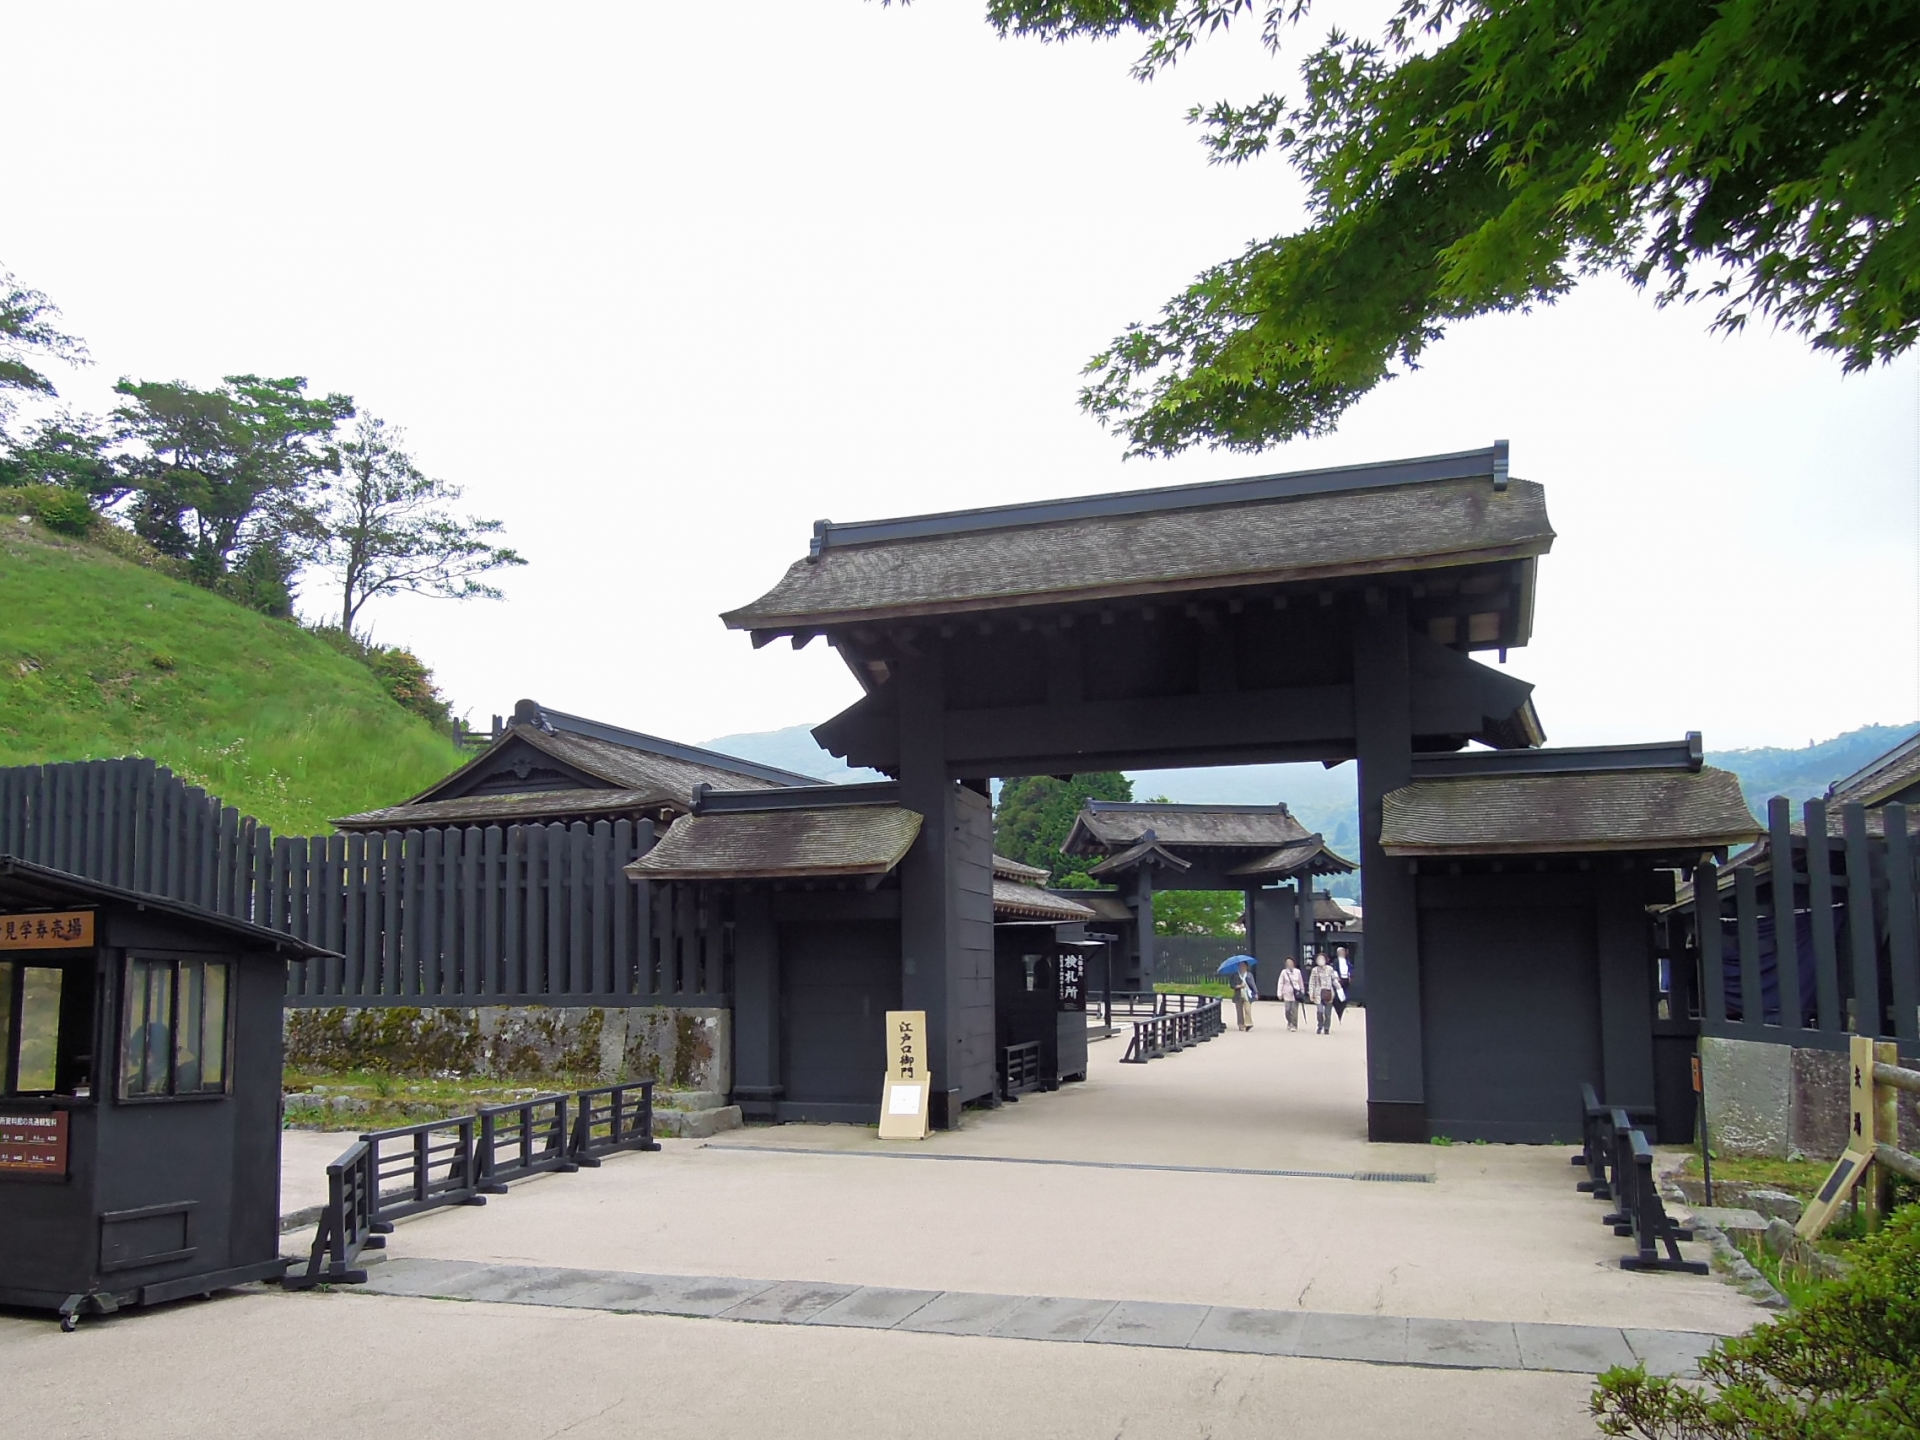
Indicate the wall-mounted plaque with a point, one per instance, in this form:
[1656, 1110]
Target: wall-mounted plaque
[34, 1144]
[54, 930]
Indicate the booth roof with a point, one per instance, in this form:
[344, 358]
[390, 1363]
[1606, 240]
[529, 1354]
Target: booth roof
[1110, 825]
[22, 883]
[1399, 516]
[1005, 869]
[782, 844]
[1568, 813]
[1883, 778]
[1029, 902]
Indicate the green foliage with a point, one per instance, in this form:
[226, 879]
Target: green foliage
[1846, 1364]
[400, 672]
[387, 529]
[65, 512]
[65, 450]
[28, 338]
[1482, 155]
[1199, 912]
[225, 479]
[1035, 812]
[100, 657]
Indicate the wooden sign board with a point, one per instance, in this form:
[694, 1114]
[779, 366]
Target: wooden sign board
[909, 1083]
[34, 1145]
[1856, 1160]
[56, 930]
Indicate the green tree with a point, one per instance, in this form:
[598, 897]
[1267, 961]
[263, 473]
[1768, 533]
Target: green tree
[29, 337]
[71, 451]
[227, 479]
[1199, 912]
[1034, 813]
[1762, 156]
[387, 530]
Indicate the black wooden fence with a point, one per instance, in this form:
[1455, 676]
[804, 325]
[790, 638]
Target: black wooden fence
[1816, 939]
[517, 914]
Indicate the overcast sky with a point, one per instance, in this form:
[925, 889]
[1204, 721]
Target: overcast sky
[662, 284]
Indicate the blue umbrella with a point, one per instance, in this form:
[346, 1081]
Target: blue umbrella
[1234, 962]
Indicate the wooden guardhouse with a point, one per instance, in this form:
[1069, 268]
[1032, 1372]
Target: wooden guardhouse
[1260, 850]
[547, 765]
[1534, 874]
[1040, 980]
[139, 1096]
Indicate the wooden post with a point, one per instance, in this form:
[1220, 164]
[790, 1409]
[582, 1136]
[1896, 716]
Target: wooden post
[1383, 725]
[926, 885]
[1886, 1128]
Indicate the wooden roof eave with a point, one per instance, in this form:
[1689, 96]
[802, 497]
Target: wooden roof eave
[875, 870]
[821, 622]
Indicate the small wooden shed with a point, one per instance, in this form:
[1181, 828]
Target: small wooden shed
[139, 1095]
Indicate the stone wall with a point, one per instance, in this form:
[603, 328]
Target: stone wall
[681, 1049]
[1765, 1099]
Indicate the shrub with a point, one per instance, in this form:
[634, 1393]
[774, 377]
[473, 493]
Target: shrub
[402, 673]
[63, 511]
[1848, 1364]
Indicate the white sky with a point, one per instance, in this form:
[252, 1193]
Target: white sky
[662, 284]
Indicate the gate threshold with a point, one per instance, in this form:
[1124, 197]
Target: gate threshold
[1380, 1176]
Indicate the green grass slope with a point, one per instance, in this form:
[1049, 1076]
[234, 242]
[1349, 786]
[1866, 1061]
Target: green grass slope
[100, 657]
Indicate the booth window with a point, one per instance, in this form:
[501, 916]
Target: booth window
[175, 1039]
[30, 1028]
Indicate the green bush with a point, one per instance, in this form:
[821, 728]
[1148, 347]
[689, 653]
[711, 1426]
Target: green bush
[63, 511]
[1848, 1364]
[404, 675]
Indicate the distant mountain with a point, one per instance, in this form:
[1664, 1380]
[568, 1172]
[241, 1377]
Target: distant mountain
[1323, 799]
[1807, 772]
[793, 748]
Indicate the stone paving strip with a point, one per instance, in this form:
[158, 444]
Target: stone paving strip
[1377, 1176]
[1375, 1339]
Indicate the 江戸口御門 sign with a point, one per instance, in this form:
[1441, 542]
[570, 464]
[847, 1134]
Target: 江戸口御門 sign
[904, 1095]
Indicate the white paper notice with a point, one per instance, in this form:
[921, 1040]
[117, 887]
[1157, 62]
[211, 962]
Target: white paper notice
[903, 1099]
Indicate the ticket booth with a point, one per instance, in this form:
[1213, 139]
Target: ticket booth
[140, 1061]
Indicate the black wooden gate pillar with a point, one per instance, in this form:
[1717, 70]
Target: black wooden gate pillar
[756, 1004]
[1302, 916]
[1143, 929]
[927, 921]
[1383, 725]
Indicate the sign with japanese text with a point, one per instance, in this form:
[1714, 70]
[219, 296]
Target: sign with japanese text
[909, 1082]
[34, 1144]
[1072, 970]
[59, 930]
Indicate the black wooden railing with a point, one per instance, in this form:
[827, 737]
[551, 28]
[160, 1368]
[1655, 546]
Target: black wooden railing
[387, 1175]
[517, 914]
[1020, 1069]
[1816, 940]
[346, 1224]
[611, 1119]
[527, 1137]
[1619, 1165]
[1173, 1032]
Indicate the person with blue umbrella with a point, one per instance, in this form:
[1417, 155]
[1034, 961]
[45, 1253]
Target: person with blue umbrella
[1240, 967]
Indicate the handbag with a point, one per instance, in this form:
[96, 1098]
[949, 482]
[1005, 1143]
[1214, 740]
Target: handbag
[1326, 996]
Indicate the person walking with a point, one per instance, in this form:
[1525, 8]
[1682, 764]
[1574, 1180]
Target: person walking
[1321, 983]
[1291, 986]
[1244, 991]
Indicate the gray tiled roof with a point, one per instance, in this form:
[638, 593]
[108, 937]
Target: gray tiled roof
[1624, 810]
[782, 844]
[510, 809]
[1114, 824]
[637, 769]
[1884, 778]
[1183, 543]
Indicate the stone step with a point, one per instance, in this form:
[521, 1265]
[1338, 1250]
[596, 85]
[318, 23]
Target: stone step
[696, 1124]
[688, 1100]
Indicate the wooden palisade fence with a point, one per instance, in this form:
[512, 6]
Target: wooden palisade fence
[512, 914]
[1818, 940]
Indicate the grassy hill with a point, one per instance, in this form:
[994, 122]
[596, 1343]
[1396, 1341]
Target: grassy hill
[100, 657]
